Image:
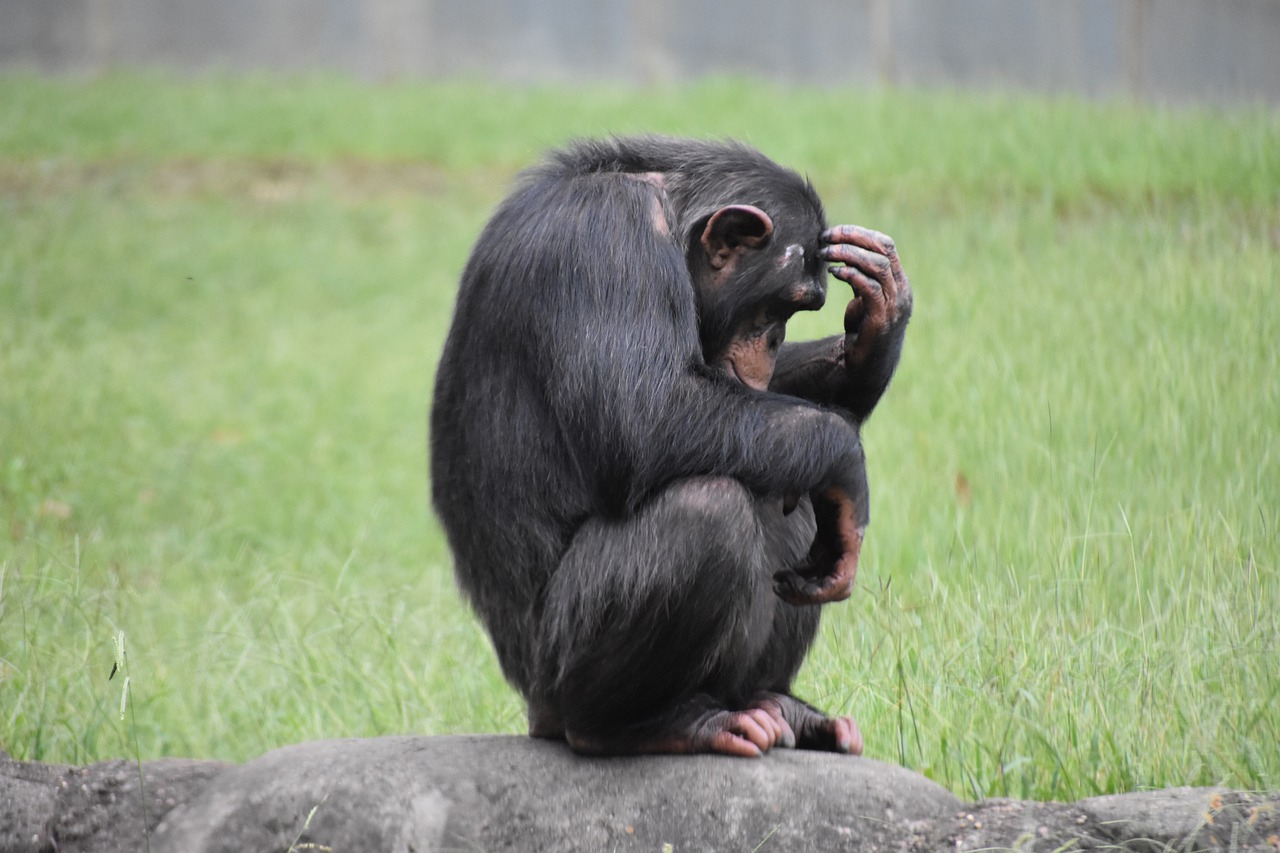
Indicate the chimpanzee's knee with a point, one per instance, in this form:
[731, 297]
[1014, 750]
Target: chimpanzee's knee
[709, 522]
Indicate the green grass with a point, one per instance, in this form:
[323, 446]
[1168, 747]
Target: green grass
[221, 302]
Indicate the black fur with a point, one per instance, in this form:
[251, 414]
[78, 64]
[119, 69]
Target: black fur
[613, 502]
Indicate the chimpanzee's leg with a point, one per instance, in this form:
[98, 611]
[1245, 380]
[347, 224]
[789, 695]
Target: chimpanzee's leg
[794, 629]
[650, 624]
[657, 629]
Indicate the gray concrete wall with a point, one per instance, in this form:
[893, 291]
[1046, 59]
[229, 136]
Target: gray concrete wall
[1168, 50]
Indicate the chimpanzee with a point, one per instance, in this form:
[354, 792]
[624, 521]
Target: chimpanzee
[647, 493]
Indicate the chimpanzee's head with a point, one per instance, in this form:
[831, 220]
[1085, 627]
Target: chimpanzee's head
[754, 259]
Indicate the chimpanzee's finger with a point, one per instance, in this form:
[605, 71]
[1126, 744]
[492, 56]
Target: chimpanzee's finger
[863, 285]
[855, 314]
[788, 737]
[873, 264]
[771, 724]
[881, 244]
[872, 302]
[847, 736]
[730, 743]
[784, 736]
[798, 590]
[771, 707]
[794, 588]
[836, 587]
[788, 585]
[744, 725]
[856, 235]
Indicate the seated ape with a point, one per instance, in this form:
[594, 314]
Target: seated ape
[647, 493]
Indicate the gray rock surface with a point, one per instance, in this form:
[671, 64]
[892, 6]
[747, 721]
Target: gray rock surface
[497, 793]
[48, 807]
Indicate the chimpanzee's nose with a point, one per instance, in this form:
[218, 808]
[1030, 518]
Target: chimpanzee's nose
[808, 295]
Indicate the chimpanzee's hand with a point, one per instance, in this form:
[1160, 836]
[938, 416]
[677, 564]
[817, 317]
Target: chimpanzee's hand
[876, 318]
[833, 557]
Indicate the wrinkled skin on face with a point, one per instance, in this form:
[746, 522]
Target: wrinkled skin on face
[752, 282]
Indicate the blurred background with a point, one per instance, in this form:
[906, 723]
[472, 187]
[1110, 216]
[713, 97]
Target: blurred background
[1163, 51]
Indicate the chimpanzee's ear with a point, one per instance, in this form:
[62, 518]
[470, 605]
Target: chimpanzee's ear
[732, 229]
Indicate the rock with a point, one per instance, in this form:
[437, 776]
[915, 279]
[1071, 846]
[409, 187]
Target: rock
[504, 792]
[1187, 818]
[95, 809]
[492, 793]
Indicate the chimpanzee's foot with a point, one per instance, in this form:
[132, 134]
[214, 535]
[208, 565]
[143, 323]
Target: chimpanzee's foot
[808, 727]
[748, 734]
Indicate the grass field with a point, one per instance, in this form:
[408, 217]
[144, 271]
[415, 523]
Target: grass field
[221, 302]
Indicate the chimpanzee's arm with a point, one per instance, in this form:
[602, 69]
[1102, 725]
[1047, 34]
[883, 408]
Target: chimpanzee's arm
[851, 371]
